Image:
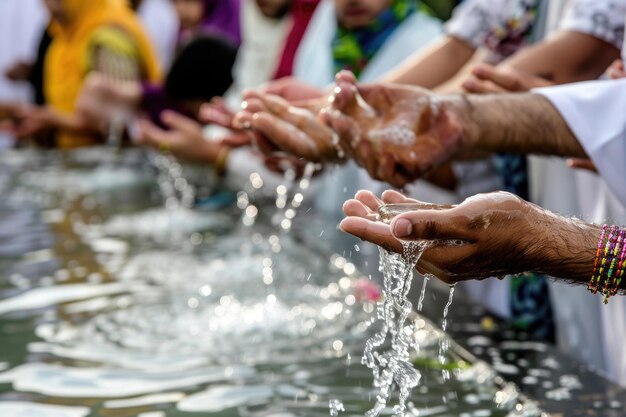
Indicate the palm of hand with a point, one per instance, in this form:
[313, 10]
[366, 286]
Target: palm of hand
[499, 233]
[397, 133]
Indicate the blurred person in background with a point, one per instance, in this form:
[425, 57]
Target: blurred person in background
[161, 23]
[266, 25]
[21, 24]
[219, 17]
[101, 36]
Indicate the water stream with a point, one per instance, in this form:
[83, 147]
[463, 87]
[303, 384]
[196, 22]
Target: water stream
[97, 322]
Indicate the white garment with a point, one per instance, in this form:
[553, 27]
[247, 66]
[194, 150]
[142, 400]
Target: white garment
[21, 27]
[261, 48]
[263, 40]
[161, 24]
[594, 112]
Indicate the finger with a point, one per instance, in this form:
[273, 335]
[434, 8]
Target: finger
[432, 225]
[475, 86]
[210, 113]
[375, 232]
[279, 107]
[355, 208]
[394, 197]
[582, 163]
[507, 81]
[369, 199]
[177, 121]
[253, 105]
[264, 145]
[441, 258]
[150, 134]
[285, 136]
[345, 127]
[236, 140]
[346, 77]
[242, 120]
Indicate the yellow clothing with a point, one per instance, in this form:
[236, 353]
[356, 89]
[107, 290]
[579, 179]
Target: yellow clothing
[93, 29]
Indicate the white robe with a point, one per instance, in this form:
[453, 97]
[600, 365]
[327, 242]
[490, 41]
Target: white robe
[263, 40]
[21, 26]
[595, 112]
[556, 187]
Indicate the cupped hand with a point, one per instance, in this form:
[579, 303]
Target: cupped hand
[184, 139]
[488, 79]
[294, 129]
[398, 133]
[500, 234]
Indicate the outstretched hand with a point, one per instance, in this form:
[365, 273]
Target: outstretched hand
[184, 139]
[501, 234]
[398, 133]
[295, 128]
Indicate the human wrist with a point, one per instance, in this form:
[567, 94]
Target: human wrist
[569, 247]
[463, 113]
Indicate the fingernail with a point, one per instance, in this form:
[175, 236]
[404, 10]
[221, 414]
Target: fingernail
[402, 228]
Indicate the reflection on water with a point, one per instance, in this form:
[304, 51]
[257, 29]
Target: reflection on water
[112, 306]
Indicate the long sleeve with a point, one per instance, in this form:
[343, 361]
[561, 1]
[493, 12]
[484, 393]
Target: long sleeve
[596, 113]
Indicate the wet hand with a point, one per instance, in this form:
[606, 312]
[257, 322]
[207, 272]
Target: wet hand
[294, 129]
[398, 133]
[501, 234]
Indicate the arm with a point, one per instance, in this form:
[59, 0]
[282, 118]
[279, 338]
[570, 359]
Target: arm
[513, 123]
[400, 133]
[497, 234]
[434, 65]
[565, 57]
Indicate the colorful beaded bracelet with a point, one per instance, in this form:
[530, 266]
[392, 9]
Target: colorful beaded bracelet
[609, 263]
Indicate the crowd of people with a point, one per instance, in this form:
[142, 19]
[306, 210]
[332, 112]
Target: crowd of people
[508, 113]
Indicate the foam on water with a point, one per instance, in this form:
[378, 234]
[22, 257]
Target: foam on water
[26, 409]
[101, 382]
[222, 397]
[160, 223]
[45, 297]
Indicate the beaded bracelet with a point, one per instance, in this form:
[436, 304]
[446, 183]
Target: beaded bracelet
[610, 262]
[593, 283]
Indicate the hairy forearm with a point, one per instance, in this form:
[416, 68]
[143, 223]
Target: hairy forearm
[513, 123]
[568, 248]
[435, 65]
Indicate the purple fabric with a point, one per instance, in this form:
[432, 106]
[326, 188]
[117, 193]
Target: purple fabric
[155, 101]
[223, 17]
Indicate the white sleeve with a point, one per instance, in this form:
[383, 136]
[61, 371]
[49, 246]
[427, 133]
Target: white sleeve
[596, 113]
[601, 19]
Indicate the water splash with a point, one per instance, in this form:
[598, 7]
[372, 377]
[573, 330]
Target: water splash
[335, 407]
[175, 188]
[393, 366]
[444, 342]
